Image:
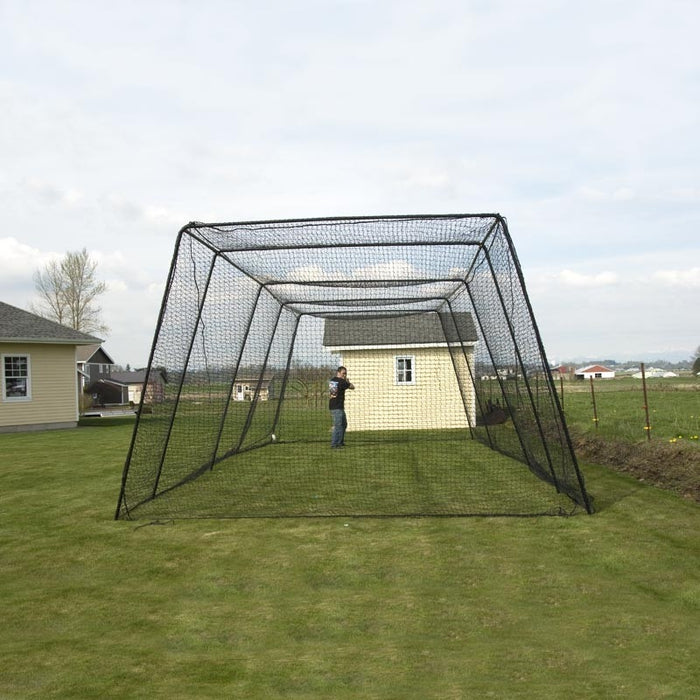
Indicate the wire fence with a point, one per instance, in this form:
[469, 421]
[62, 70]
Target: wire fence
[634, 409]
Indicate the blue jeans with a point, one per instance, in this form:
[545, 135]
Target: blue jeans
[340, 423]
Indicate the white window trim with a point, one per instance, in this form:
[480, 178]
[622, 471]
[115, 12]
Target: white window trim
[16, 399]
[412, 358]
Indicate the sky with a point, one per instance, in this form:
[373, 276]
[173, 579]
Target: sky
[120, 122]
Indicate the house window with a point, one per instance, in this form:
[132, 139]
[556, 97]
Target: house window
[16, 379]
[404, 369]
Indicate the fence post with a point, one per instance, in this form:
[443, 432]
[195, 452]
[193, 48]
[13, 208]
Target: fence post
[561, 390]
[647, 427]
[595, 409]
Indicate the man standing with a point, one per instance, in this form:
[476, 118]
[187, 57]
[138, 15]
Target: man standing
[336, 404]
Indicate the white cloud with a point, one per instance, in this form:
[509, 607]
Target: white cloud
[19, 261]
[610, 193]
[577, 279]
[131, 315]
[679, 278]
[116, 286]
[53, 194]
[395, 269]
[624, 194]
[307, 273]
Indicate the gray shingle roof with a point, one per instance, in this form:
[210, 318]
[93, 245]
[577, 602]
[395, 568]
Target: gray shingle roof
[19, 326]
[95, 353]
[134, 377]
[137, 376]
[416, 329]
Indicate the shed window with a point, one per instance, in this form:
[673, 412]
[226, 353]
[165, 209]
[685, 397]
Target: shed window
[16, 378]
[404, 367]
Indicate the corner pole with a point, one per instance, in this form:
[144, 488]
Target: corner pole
[190, 348]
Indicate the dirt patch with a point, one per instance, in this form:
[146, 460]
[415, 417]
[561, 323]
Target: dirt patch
[671, 466]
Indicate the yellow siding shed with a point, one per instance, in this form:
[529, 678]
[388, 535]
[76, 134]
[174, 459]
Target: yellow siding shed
[432, 399]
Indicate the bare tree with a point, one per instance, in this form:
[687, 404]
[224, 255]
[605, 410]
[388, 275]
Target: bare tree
[696, 361]
[68, 291]
[49, 284]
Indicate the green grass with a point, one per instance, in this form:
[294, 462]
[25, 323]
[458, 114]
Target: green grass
[602, 606]
[673, 404]
[438, 472]
[379, 473]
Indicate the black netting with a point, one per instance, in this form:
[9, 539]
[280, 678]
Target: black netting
[454, 410]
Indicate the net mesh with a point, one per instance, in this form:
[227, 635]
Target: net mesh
[454, 411]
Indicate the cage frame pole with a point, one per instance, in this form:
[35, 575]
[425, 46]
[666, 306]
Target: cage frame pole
[166, 443]
[285, 378]
[523, 371]
[477, 394]
[234, 374]
[499, 378]
[254, 402]
[454, 366]
[562, 419]
[159, 324]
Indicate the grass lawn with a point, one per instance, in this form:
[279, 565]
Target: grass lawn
[673, 406]
[379, 473]
[601, 606]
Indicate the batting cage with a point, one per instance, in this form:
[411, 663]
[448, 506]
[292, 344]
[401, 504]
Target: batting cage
[452, 410]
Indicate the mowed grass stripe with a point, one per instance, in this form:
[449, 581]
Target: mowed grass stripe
[590, 606]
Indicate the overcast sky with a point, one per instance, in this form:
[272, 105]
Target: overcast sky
[578, 122]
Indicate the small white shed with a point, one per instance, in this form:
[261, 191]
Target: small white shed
[595, 372]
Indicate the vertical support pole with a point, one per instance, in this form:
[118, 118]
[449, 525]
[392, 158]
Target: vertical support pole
[647, 427]
[466, 404]
[232, 383]
[139, 413]
[520, 368]
[283, 389]
[595, 408]
[561, 390]
[503, 226]
[493, 365]
[190, 347]
[254, 402]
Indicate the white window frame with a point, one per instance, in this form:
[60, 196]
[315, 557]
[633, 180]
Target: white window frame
[397, 372]
[28, 396]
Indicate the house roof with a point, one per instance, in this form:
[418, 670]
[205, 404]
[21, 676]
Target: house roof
[409, 330]
[94, 353]
[252, 378]
[594, 368]
[19, 326]
[136, 377]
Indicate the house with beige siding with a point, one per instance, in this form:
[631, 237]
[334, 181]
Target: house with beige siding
[410, 372]
[38, 367]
